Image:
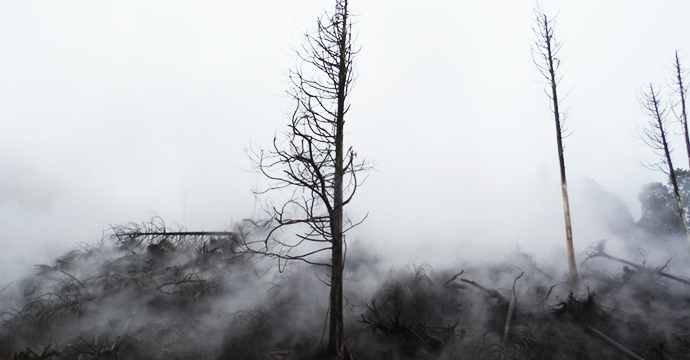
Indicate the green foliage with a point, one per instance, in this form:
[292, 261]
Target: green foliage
[660, 214]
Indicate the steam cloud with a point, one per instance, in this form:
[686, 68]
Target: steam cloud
[182, 297]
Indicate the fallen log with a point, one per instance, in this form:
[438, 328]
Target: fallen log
[511, 311]
[490, 292]
[509, 317]
[598, 251]
[615, 344]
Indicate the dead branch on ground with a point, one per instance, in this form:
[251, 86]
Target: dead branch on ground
[615, 344]
[490, 292]
[598, 251]
[509, 317]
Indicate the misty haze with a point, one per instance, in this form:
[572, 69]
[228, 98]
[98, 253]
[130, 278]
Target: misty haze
[344, 180]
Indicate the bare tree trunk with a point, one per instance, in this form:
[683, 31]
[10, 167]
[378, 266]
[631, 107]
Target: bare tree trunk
[676, 192]
[564, 185]
[336, 338]
[336, 333]
[683, 117]
[656, 138]
[547, 47]
[315, 159]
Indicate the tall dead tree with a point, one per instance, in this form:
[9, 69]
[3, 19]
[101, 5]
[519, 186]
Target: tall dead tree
[655, 135]
[314, 164]
[544, 53]
[681, 90]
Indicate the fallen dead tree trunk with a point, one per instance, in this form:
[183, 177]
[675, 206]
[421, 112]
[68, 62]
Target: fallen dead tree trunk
[598, 251]
[588, 316]
[512, 304]
[197, 238]
[583, 311]
[493, 293]
[509, 317]
[155, 232]
[615, 344]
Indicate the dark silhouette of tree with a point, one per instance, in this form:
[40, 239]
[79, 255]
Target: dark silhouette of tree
[544, 54]
[659, 207]
[313, 163]
[683, 181]
[680, 89]
[659, 210]
[655, 135]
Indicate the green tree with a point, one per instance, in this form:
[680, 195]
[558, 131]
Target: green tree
[660, 215]
[659, 211]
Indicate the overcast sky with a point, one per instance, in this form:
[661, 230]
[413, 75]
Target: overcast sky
[112, 110]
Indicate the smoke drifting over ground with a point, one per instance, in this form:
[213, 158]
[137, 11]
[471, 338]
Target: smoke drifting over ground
[148, 110]
[177, 297]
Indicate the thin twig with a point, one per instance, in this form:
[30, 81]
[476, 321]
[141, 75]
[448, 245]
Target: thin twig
[453, 278]
[8, 285]
[77, 280]
[548, 294]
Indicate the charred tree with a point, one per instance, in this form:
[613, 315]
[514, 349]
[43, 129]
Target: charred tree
[314, 164]
[544, 54]
[655, 135]
[681, 91]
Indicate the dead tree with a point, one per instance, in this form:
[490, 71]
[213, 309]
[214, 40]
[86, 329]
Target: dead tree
[680, 89]
[598, 250]
[655, 135]
[313, 163]
[544, 55]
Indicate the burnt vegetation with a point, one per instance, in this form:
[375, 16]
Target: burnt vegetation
[148, 291]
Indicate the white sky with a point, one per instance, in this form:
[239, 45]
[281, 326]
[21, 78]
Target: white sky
[112, 110]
